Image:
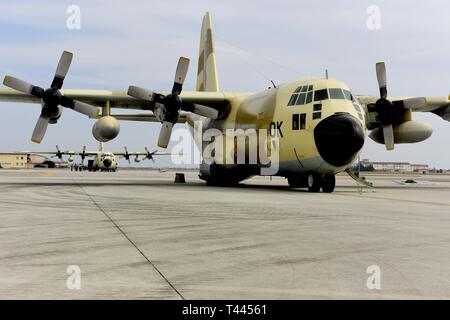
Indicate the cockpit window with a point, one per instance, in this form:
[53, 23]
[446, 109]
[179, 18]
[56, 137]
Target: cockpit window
[348, 95]
[336, 93]
[320, 95]
[292, 100]
[301, 99]
[302, 95]
[309, 97]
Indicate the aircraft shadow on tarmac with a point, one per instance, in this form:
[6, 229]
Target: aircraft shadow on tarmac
[164, 183]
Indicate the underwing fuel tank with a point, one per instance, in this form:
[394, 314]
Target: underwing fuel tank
[105, 129]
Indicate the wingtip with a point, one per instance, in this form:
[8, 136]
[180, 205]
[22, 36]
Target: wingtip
[68, 53]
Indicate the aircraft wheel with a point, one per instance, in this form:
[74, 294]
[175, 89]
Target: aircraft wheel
[314, 182]
[328, 183]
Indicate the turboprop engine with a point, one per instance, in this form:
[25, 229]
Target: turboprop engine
[106, 128]
[405, 132]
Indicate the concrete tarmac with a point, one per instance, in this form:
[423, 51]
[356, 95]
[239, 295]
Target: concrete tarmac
[137, 235]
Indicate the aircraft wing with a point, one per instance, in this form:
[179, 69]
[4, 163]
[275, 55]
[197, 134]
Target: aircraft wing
[118, 98]
[138, 153]
[436, 105]
[63, 153]
[149, 117]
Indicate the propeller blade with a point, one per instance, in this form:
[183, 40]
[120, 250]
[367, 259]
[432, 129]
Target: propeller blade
[388, 134]
[381, 77]
[180, 75]
[141, 93]
[62, 69]
[40, 129]
[414, 103]
[205, 111]
[18, 84]
[201, 110]
[126, 155]
[85, 109]
[80, 107]
[150, 154]
[164, 134]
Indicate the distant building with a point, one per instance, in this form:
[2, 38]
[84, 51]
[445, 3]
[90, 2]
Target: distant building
[14, 160]
[404, 167]
[22, 160]
[421, 168]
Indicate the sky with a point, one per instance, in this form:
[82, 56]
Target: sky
[120, 43]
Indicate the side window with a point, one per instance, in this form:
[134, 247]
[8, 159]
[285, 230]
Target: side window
[302, 121]
[317, 111]
[295, 123]
[320, 95]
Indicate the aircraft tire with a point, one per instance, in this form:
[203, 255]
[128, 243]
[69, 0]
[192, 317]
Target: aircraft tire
[314, 182]
[328, 183]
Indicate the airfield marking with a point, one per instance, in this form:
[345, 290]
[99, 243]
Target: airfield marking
[128, 238]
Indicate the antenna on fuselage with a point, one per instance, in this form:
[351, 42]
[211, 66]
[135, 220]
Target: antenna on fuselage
[326, 74]
[273, 83]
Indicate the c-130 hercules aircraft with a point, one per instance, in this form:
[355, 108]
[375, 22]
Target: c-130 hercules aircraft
[104, 161]
[321, 125]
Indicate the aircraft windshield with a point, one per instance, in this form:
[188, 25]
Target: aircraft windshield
[304, 95]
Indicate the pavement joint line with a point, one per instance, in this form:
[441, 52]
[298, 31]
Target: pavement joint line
[128, 238]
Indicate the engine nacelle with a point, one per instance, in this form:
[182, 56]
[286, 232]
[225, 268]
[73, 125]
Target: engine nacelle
[106, 128]
[406, 132]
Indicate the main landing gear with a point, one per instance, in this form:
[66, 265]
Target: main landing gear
[313, 181]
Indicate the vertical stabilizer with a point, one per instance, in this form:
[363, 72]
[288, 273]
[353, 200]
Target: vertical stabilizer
[207, 69]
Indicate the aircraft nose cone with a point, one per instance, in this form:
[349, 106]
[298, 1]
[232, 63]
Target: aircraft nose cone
[107, 163]
[338, 138]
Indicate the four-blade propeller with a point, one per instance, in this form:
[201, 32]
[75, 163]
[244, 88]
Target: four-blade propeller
[149, 155]
[389, 113]
[51, 98]
[168, 107]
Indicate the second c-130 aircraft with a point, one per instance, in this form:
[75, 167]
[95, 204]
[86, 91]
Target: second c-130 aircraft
[105, 161]
[320, 123]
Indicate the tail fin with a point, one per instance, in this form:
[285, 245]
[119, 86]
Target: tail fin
[207, 70]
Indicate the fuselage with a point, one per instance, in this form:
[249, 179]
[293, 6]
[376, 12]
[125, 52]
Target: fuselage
[319, 123]
[105, 161]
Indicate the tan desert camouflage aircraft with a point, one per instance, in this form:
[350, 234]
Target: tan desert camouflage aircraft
[105, 161]
[320, 123]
